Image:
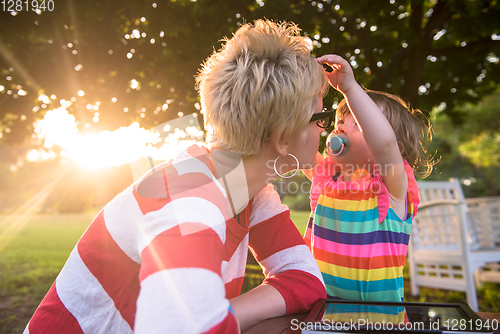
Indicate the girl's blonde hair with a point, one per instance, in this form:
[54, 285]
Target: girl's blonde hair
[412, 128]
[262, 83]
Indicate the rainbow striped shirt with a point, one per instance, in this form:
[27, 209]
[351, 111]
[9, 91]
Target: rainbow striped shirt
[358, 241]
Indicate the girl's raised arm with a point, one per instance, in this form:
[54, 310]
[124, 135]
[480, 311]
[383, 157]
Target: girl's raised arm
[376, 129]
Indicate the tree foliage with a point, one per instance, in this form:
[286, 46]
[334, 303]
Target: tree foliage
[472, 151]
[145, 54]
[429, 52]
[480, 140]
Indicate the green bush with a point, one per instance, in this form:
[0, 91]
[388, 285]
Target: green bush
[297, 202]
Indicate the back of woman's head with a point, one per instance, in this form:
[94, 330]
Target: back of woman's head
[412, 129]
[261, 84]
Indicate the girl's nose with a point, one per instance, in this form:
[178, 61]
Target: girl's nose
[339, 129]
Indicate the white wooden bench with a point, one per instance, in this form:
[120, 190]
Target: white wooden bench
[484, 213]
[451, 240]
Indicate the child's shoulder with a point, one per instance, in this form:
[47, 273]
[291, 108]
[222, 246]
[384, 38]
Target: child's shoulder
[412, 185]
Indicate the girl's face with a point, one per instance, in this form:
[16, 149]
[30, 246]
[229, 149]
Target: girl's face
[358, 157]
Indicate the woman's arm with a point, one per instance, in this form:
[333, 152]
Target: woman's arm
[262, 302]
[293, 281]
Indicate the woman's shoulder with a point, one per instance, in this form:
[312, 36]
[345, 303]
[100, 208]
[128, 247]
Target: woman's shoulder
[266, 205]
[268, 196]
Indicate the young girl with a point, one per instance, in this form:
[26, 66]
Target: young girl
[364, 195]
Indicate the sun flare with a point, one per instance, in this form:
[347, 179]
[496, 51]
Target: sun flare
[124, 145]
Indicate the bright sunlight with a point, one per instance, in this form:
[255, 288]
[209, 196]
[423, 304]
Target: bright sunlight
[58, 130]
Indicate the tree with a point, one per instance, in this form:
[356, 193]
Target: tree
[106, 50]
[471, 151]
[428, 52]
[145, 54]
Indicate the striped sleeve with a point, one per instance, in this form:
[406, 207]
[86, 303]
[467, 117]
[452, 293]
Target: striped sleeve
[182, 250]
[412, 196]
[278, 246]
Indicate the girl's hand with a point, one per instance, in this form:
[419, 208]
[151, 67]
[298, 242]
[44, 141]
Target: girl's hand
[341, 77]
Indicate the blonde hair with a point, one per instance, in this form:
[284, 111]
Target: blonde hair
[412, 128]
[262, 83]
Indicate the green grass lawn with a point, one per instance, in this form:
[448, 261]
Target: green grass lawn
[33, 251]
[300, 218]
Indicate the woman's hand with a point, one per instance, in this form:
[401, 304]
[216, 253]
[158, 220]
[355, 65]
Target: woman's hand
[341, 77]
[260, 303]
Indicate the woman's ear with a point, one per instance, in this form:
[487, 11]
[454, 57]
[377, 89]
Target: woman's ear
[280, 144]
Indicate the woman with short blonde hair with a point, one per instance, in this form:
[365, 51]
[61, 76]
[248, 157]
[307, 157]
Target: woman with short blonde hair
[168, 254]
[261, 84]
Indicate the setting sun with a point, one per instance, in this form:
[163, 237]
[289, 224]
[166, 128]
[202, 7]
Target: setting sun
[124, 145]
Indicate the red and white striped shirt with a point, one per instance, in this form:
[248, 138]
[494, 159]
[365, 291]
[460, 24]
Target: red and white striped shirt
[170, 264]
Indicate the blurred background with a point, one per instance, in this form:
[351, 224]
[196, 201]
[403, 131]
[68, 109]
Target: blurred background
[83, 82]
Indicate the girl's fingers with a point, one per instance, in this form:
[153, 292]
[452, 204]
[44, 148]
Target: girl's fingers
[336, 66]
[331, 59]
